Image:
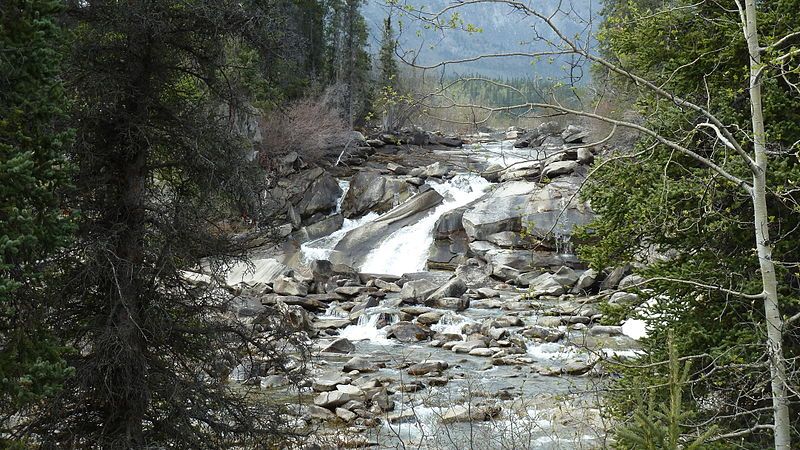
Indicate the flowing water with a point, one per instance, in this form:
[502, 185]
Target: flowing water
[406, 250]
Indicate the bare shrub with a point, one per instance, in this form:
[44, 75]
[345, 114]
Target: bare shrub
[307, 126]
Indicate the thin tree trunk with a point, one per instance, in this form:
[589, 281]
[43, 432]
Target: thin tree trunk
[763, 245]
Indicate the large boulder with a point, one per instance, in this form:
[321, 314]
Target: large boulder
[408, 332]
[548, 213]
[371, 191]
[417, 291]
[456, 287]
[321, 197]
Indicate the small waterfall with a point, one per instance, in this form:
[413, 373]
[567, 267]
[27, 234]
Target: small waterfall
[323, 247]
[406, 250]
[451, 323]
[367, 327]
[564, 246]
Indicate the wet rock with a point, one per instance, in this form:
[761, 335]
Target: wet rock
[569, 320]
[486, 292]
[371, 191]
[447, 141]
[468, 346]
[408, 332]
[397, 168]
[605, 330]
[417, 291]
[382, 401]
[360, 364]
[455, 287]
[544, 333]
[577, 367]
[424, 368]
[288, 286]
[350, 291]
[341, 345]
[309, 304]
[481, 352]
[359, 242]
[430, 318]
[450, 303]
[472, 413]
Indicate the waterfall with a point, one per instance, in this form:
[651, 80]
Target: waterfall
[323, 247]
[367, 327]
[406, 250]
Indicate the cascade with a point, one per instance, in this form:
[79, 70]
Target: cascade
[406, 250]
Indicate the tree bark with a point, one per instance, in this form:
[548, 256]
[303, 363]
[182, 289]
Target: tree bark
[774, 322]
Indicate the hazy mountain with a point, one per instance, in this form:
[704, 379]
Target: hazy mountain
[503, 31]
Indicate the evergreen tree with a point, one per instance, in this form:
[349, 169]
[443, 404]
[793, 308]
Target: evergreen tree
[159, 161]
[348, 57]
[386, 57]
[671, 204]
[33, 223]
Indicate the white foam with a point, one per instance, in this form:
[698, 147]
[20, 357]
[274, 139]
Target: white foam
[406, 250]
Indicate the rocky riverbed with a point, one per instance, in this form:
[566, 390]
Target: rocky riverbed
[437, 283]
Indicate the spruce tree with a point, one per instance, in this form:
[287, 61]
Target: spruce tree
[33, 223]
[159, 162]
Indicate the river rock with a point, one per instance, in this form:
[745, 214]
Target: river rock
[632, 281]
[546, 284]
[321, 197]
[451, 303]
[624, 299]
[408, 332]
[417, 291]
[585, 281]
[360, 364]
[566, 277]
[430, 318]
[332, 399]
[472, 413]
[346, 415]
[468, 346]
[320, 413]
[386, 286]
[486, 292]
[577, 367]
[371, 191]
[605, 330]
[424, 368]
[559, 168]
[350, 291]
[574, 134]
[341, 345]
[614, 277]
[288, 286]
[546, 334]
[455, 287]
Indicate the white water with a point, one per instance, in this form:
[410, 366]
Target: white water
[451, 323]
[323, 247]
[406, 250]
[367, 329]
